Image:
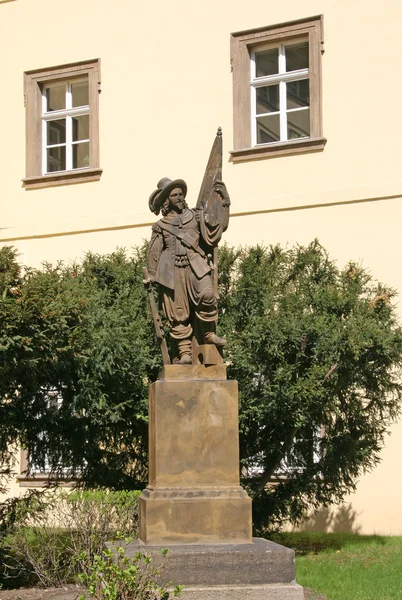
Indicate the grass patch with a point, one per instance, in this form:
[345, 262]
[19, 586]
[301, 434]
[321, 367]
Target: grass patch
[347, 566]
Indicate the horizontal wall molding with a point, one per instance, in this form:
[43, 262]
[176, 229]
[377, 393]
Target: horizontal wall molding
[250, 213]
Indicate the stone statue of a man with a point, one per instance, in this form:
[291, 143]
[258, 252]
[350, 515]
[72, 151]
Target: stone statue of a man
[180, 262]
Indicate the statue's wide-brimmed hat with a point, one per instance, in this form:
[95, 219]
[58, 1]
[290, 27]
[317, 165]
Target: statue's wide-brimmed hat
[165, 186]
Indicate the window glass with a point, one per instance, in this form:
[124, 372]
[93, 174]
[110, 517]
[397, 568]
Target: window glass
[56, 132]
[299, 124]
[297, 56]
[56, 97]
[56, 159]
[267, 99]
[80, 128]
[268, 129]
[80, 93]
[67, 145]
[266, 62]
[297, 93]
[290, 117]
[81, 155]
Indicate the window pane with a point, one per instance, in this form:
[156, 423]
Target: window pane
[56, 132]
[56, 159]
[299, 124]
[80, 93]
[80, 128]
[267, 99]
[81, 155]
[266, 62]
[297, 56]
[268, 129]
[298, 93]
[56, 98]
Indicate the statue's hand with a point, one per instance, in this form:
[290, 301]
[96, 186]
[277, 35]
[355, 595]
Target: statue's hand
[150, 279]
[220, 188]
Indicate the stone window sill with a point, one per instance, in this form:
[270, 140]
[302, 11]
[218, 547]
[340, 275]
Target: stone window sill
[42, 480]
[62, 178]
[279, 149]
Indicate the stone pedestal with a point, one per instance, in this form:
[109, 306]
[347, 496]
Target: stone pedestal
[194, 504]
[194, 494]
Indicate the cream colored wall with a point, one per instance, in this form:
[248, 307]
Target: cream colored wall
[13, 487]
[166, 86]
[369, 233]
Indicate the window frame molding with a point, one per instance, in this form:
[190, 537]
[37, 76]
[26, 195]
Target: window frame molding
[33, 81]
[242, 44]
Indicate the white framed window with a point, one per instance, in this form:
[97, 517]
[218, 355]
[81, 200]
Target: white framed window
[65, 126]
[277, 104]
[62, 124]
[280, 93]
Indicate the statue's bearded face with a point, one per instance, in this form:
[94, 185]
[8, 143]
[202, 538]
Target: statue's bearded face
[176, 200]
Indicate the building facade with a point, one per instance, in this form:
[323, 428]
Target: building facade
[100, 100]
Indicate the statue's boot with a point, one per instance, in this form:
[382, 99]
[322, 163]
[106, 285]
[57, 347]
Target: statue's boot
[185, 352]
[211, 338]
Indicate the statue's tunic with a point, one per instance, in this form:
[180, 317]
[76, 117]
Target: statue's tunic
[180, 267]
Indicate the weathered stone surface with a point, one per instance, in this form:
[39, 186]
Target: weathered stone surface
[193, 433]
[206, 354]
[260, 563]
[191, 516]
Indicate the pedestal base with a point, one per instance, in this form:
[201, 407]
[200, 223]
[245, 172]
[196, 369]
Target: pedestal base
[195, 516]
[260, 570]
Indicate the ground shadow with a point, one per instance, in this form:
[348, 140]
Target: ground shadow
[307, 542]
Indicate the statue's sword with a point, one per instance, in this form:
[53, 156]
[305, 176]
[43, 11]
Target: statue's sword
[156, 318]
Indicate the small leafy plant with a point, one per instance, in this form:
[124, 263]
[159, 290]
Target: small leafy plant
[113, 575]
[42, 534]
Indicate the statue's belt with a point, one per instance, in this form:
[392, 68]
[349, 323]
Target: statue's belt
[183, 238]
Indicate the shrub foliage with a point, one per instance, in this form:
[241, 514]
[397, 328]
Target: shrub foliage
[317, 353]
[79, 333]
